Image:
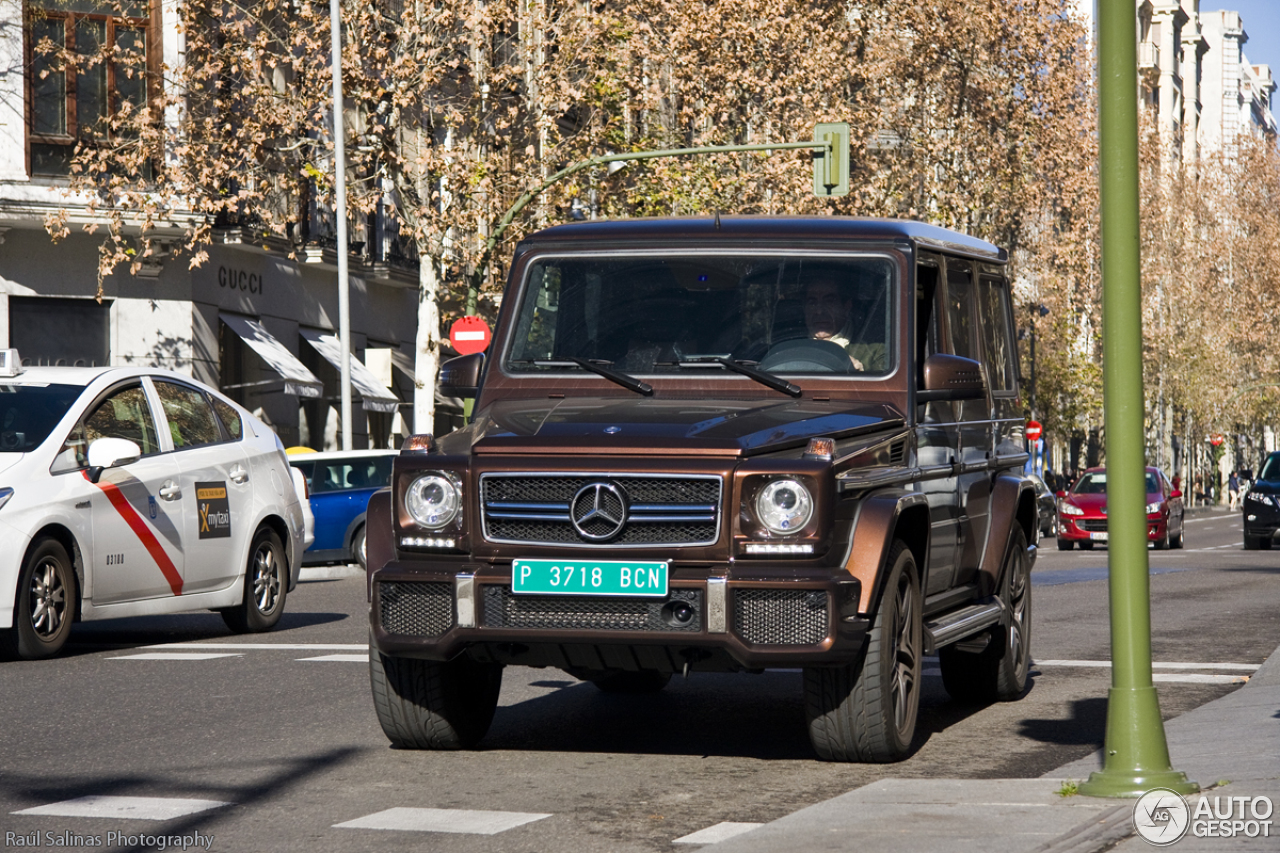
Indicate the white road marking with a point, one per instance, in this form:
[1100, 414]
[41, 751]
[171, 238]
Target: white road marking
[348, 658]
[1248, 667]
[319, 647]
[443, 820]
[177, 656]
[719, 832]
[130, 808]
[1198, 678]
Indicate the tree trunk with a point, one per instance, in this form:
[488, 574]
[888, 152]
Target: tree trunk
[426, 362]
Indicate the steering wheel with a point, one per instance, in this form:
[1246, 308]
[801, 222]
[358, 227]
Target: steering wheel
[806, 355]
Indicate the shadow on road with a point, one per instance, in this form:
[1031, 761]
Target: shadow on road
[89, 637]
[1085, 727]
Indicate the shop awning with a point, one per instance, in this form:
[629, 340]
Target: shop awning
[374, 396]
[297, 379]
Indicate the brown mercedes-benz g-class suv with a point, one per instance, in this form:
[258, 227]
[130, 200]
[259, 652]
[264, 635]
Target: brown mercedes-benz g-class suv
[720, 445]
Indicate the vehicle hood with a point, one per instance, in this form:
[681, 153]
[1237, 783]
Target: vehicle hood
[608, 424]
[8, 460]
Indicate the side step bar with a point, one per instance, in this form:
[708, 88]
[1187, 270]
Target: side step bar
[959, 624]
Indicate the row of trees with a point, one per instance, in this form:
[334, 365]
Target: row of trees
[972, 114]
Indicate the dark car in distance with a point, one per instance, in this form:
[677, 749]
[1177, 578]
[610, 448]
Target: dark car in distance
[722, 445]
[340, 484]
[1082, 512]
[1261, 506]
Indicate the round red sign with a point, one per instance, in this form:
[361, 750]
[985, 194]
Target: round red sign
[1216, 439]
[1034, 430]
[469, 334]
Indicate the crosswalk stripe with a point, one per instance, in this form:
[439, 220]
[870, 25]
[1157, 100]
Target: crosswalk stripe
[177, 656]
[364, 658]
[1248, 667]
[463, 821]
[130, 808]
[306, 647]
[719, 832]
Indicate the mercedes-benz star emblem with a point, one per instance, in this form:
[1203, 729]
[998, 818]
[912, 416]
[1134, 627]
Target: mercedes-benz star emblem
[598, 511]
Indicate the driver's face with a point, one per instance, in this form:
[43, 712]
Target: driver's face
[825, 312]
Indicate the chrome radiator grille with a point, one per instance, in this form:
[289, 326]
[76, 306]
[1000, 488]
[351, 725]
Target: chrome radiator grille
[780, 617]
[416, 609]
[601, 509]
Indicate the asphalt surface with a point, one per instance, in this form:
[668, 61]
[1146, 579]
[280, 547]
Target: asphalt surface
[291, 745]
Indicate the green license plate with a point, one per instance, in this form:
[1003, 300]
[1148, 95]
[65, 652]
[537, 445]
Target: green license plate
[589, 577]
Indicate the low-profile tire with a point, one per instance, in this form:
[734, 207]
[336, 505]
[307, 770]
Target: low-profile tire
[45, 604]
[623, 681]
[1065, 544]
[1252, 543]
[867, 711]
[999, 672]
[266, 583]
[424, 704]
[359, 549]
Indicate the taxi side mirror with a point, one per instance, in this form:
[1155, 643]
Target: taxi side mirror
[460, 377]
[111, 453]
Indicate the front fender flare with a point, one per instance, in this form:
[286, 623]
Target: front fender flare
[879, 518]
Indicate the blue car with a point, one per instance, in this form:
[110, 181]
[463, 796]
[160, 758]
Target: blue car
[340, 485]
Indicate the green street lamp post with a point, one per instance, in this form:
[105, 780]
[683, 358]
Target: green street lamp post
[1136, 755]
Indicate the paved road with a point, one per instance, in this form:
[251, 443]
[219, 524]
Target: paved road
[281, 728]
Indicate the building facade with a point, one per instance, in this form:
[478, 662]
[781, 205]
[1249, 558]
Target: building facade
[252, 321]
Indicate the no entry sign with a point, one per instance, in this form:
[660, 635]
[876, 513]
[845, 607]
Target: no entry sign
[469, 334]
[1034, 430]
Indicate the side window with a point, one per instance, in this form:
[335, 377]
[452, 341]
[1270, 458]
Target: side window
[380, 475]
[927, 342]
[994, 309]
[329, 478]
[230, 419]
[191, 418]
[123, 414]
[964, 338]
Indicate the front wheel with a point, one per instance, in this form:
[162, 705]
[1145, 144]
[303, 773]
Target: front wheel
[1065, 544]
[1252, 543]
[868, 712]
[999, 671]
[45, 603]
[424, 704]
[265, 586]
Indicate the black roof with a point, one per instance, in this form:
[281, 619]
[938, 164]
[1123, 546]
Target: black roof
[793, 230]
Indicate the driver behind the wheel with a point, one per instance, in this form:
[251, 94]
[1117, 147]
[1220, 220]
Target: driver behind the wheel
[828, 314]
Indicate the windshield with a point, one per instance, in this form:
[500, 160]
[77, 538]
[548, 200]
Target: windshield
[645, 314]
[1096, 484]
[1271, 471]
[28, 413]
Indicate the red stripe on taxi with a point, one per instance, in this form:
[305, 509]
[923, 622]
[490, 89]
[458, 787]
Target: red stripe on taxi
[144, 534]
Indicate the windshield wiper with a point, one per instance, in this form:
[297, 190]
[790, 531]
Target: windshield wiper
[746, 368]
[597, 366]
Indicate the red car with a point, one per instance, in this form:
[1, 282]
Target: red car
[1082, 512]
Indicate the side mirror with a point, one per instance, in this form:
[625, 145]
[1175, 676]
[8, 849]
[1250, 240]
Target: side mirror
[1176, 493]
[111, 453]
[952, 377]
[460, 377]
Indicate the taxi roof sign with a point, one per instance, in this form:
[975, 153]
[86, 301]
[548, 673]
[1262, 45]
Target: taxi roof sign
[10, 362]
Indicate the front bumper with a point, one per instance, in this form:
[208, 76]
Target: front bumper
[1075, 528]
[776, 617]
[1261, 520]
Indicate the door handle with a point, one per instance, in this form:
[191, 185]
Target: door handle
[239, 475]
[170, 491]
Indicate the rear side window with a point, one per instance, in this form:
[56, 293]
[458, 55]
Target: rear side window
[191, 419]
[994, 310]
[230, 419]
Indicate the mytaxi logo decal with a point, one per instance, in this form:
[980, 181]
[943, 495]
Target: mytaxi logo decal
[214, 509]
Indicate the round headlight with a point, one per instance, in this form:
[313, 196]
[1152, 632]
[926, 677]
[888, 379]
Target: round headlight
[433, 501]
[784, 506]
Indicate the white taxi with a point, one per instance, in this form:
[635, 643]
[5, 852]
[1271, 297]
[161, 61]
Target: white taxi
[136, 491]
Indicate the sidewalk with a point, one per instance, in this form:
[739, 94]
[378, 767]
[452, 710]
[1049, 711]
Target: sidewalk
[1232, 742]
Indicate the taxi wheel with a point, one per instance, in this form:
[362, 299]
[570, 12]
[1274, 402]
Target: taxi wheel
[266, 582]
[999, 672]
[45, 604]
[359, 549]
[424, 704]
[868, 712]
